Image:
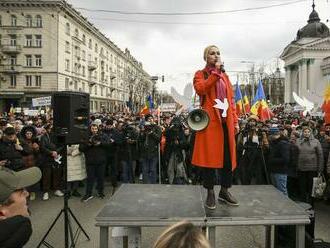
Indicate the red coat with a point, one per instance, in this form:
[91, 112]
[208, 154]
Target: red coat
[208, 148]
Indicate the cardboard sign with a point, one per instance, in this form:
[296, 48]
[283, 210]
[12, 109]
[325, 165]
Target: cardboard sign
[42, 101]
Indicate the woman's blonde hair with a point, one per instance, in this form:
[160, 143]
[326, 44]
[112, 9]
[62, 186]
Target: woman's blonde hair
[182, 235]
[207, 49]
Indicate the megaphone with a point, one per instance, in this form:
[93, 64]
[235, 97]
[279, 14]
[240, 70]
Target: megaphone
[198, 120]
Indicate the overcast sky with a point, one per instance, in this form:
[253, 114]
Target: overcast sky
[175, 49]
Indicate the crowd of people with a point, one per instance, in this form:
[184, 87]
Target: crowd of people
[287, 151]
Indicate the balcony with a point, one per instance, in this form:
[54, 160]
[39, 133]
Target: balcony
[92, 80]
[11, 49]
[10, 69]
[92, 65]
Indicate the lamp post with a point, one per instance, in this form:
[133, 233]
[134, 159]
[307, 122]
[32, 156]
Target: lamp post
[252, 76]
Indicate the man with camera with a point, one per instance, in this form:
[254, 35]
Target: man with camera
[149, 139]
[96, 159]
[10, 150]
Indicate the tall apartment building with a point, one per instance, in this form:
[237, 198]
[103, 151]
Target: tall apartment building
[48, 46]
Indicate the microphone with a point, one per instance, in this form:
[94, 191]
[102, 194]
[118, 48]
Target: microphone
[222, 68]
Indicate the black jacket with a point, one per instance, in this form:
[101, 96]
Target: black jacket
[95, 154]
[14, 157]
[15, 232]
[279, 156]
[149, 140]
[47, 146]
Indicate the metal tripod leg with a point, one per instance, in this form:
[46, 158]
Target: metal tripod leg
[50, 228]
[79, 225]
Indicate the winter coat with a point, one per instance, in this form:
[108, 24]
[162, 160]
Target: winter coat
[14, 157]
[148, 142]
[208, 148]
[95, 154]
[47, 146]
[279, 156]
[310, 155]
[76, 164]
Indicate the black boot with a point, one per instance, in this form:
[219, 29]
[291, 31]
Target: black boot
[210, 199]
[225, 196]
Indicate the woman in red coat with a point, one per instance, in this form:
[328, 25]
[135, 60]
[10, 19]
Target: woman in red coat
[215, 146]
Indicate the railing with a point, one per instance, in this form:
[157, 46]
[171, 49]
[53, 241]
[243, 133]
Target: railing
[11, 49]
[10, 68]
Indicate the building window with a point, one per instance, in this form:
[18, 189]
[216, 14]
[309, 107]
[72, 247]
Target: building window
[95, 90]
[96, 105]
[0, 20]
[13, 20]
[38, 81]
[75, 85]
[90, 89]
[67, 29]
[67, 65]
[101, 91]
[83, 71]
[83, 86]
[96, 48]
[0, 38]
[90, 44]
[38, 60]
[84, 38]
[38, 40]
[12, 80]
[66, 83]
[28, 80]
[13, 60]
[38, 21]
[13, 39]
[28, 21]
[67, 47]
[28, 40]
[76, 32]
[28, 60]
[83, 55]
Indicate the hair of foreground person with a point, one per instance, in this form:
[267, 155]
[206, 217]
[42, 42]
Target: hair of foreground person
[182, 235]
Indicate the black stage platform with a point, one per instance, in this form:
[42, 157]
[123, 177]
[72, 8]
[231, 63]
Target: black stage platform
[137, 205]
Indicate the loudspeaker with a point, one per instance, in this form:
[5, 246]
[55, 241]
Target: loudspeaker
[71, 116]
[198, 119]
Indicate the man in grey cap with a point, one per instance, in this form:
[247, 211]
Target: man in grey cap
[15, 226]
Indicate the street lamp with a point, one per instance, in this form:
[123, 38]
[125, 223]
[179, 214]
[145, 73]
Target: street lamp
[252, 75]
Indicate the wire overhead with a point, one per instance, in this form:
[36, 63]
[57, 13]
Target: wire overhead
[122, 12]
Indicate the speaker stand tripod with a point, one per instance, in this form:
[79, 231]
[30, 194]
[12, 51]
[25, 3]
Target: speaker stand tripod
[66, 211]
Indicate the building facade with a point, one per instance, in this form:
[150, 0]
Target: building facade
[307, 61]
[48, 46]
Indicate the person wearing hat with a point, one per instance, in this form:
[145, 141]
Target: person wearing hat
[278, 159]
[15, 225]
[215, 146]
[310, 163]
[11, 150]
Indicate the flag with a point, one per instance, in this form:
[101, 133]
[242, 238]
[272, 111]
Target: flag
[238, 100]
[246, 103]
[11, 110]
[149, 105]
[259, 105]
[326, 105]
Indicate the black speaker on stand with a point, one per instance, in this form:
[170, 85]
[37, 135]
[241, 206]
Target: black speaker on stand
[70, 124]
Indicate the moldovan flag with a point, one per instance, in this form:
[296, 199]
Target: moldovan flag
[246, 103]
[260, 106]
[148, 106]
[326, 105]
[239, 100]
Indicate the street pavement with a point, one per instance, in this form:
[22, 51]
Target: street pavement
[44, 212]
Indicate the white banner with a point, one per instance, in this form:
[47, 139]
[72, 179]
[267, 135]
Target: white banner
[168, 107]
[42, 101]
[31, 112]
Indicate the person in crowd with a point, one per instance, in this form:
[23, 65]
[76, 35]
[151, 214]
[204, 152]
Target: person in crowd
[31, 153]
[310, 163]
[50, 165]
[251, 144]
[175, 143]
[278, 159]
[76, 169]
[181, 235]
[149, 139]
[131, 150]
[15, 224]
[11, 150]
[96, 159]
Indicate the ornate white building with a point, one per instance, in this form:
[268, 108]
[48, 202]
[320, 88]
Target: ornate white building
[307, 61]
[47, 46]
